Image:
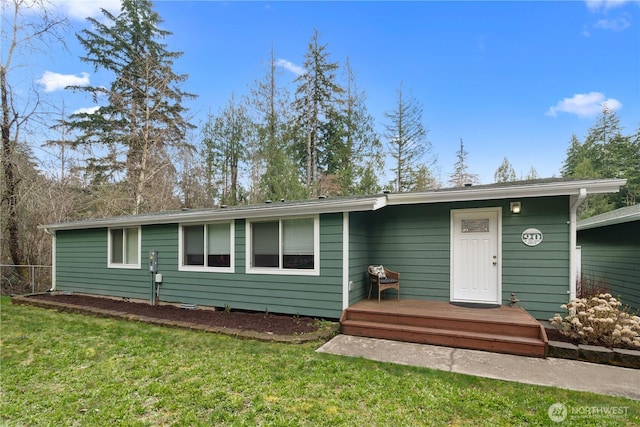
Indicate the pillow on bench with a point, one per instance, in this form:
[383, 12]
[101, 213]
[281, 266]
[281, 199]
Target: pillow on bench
[379, 271]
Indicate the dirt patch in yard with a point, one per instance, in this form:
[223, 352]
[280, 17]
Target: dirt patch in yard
[239, 320]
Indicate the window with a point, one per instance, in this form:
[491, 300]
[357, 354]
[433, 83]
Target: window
[297, 243]
[287, 246]
[124, 248]
[206, 247]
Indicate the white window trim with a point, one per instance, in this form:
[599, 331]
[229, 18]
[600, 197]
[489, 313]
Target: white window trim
[280, 270]
[202, 268]
[123, 265]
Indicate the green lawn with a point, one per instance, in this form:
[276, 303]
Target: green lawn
[63, 369]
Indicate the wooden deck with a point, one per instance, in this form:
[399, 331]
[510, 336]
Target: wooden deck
[501, 329]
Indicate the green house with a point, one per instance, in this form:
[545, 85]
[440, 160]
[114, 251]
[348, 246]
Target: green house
[610, 248]
[477, 244]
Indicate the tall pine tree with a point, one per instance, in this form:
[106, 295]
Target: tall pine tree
[505, 172]
[278, 174]
[228, 148]
[407, 141]
[461, 175]
[354, 153]
[140, 113]
[317, 96]
[606, 153]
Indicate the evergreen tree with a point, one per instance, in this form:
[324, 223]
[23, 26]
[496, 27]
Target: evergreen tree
[532, 174]
[143, 114]
[208, 155]
[505, 172]
[354, 151]
[606, 153]
[407, 140]
[575, 153]
[317, 96]
[461, 176]
[227, 149]
[424, 180]
[274, 130]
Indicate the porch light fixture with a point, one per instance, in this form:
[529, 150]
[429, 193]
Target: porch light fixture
[514, 207]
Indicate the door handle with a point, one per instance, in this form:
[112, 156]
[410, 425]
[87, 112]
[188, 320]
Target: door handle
[495, 260]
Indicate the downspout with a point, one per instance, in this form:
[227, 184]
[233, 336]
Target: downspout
[53, 259]
[573, 242]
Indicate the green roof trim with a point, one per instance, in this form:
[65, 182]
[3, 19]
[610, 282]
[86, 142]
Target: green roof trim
[618, 216]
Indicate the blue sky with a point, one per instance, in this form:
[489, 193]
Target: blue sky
[512, 79]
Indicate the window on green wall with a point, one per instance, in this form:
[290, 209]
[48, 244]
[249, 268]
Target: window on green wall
[206, 247]
[124, 247]
[285, 246]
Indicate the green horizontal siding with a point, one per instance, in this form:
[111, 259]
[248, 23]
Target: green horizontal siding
[82, 267]
[411, 239]
[611, 255]
[309, 295]
[415, 240]
[539, 275]
[359, 242]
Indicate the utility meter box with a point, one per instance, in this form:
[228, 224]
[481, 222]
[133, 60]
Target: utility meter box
[153, 261]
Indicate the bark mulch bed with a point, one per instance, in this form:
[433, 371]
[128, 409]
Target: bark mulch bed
[258, 325]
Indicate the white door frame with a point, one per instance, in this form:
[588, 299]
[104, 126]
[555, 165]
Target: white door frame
[497, 234]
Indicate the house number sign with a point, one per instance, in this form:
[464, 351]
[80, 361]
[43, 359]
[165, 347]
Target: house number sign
[532, 237]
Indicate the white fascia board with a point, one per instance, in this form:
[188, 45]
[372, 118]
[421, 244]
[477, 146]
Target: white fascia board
[562, 188]
[270, 210]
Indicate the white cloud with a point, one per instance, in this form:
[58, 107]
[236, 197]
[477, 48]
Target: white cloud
[82, 9]
[618, 24]
[598, 5]
[584, 105]
[86, 110]
[608, 23]
[55, 81]
[290, 66]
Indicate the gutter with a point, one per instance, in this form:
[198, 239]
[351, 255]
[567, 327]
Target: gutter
[53, 258]
[573, 242]
[267, 210]
[494, 192]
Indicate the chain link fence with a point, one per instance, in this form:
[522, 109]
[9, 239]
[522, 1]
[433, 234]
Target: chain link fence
[24, 279]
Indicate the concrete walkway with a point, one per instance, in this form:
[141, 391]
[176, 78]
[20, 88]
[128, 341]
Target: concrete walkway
[567, 374]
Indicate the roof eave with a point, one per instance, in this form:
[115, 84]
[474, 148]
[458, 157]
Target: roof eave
[516, 191]
[618, 216]
[604, 223]
[271, 210]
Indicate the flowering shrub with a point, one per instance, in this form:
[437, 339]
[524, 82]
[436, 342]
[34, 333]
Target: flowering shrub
[599, 320]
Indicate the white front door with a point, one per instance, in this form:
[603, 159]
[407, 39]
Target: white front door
[475, 255]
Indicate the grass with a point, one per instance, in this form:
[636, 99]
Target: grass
[60, 369]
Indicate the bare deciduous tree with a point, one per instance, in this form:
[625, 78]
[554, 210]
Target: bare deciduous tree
[27, 26]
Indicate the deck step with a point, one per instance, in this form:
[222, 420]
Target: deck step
[504, 330]
[525, 346]
[526, 329]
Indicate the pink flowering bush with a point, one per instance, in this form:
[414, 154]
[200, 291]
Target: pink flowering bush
[599, 320]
